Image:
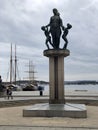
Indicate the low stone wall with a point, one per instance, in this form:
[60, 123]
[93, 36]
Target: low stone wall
[13, 103]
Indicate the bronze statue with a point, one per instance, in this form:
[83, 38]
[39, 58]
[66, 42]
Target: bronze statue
[48, 37]
[55, 29]
[2, 87]
[0, 80]
[65, 33]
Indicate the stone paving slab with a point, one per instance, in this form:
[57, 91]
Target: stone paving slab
[42, 128]
[13, 116]
[21, 101]
[46, 93]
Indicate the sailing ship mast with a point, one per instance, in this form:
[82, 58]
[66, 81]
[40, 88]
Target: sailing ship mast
[31, 72]
[15, 64]
[11, 66]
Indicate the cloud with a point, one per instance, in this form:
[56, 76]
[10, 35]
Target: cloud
[20, 24]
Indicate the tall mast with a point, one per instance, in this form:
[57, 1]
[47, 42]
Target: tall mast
[15, 64]
[31, 72]
[11, 65]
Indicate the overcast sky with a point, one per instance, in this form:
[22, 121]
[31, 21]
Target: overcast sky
[20, 24]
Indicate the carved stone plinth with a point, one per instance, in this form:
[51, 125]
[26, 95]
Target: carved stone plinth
[56, 74]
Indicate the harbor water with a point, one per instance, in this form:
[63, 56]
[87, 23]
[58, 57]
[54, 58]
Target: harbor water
[78, 87]
[70, 90]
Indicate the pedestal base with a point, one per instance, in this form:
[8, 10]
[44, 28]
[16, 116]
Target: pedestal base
[56, 110]
[59, 101]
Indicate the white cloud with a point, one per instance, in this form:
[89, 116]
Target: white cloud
[92, 3]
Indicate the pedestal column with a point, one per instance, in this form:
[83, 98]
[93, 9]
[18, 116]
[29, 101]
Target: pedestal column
[56, 106]
[56, 75]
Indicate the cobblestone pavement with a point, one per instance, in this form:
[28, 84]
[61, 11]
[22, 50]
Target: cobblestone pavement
[42, 128]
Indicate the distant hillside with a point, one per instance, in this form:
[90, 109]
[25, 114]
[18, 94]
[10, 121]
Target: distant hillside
[81, 82]
[27, 81]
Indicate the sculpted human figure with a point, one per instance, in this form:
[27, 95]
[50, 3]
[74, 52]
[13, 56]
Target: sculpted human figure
[55, 28]
[48, 37]
[65, 33]
[0, 79]
[2, 87]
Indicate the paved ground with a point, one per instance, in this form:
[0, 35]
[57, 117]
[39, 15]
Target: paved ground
[14, 116]
[12, 119]
[23, 95]
[67, 93]
[42, 128]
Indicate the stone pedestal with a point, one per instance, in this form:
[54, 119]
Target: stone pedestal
[56, 74]
[56, 106]
[56, 110]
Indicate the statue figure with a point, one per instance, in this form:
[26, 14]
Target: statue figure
[0, 80]
[55, 28]
[2, 87]
[48, 37]
[65, 33]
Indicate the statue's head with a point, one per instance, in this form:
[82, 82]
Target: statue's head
[43, 28]
[69, 25]
[55, 11]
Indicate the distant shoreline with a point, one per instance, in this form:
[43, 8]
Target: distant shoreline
[77, 82]
[82, 82]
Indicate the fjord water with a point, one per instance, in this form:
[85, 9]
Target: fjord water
[78, 87]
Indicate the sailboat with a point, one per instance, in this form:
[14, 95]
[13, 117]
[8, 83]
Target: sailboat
[13, 72]
[32, 84]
